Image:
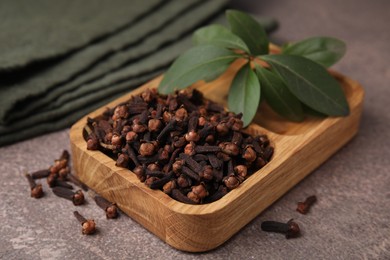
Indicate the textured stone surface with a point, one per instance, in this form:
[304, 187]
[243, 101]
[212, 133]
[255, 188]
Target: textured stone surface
[350, 220]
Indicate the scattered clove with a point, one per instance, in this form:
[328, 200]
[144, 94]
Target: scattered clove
[57, 176]
[59, 170]
[36, 189]
[40, 174]
[76, 197]
[290, 229]
[64, 184]
[51, 179]
[304, 207]
[88, 225]
[110, 208]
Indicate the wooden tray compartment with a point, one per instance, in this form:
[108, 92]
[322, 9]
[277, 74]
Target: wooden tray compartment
[198, 228]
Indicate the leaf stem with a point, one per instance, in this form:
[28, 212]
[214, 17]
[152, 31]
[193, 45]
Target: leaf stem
[262, 63]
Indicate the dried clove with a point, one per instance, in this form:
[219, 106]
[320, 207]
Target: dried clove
[290, 229]
[207, 149]
[170, 126]
[181, 114]
[51, 179]
[192, 134]
[159, 183]
[76, 197]
[147, 149]
[88, 225]
[190, 173]
[241, 171]
[229, 148]
[174, 155]
[139, 171]
[222, 191]
[206, 173]
[231, 182]
[147, 159]
[197, 193]
[192, 164]
[169, 186]
[64, 184]
[183, 181]
[304, 207]
[59, 170]
[249, 154]
[40, 174]
[177, 195]
[36, 189]
[122, 161]
[268, 152]
[214, 161]
[200, 157]
[63, 173]
[130, 152]
[156, 173]
[183, 99]
[110, 208]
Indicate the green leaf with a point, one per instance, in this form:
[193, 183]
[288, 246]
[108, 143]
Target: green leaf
[310, 83]
[203, 62]
[219, 35]
[244, 94]
[309, 111]
[323, 50]
[278, 97]
[249, 30]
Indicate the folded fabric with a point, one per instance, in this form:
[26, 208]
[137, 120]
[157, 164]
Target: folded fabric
[68, 118]
[35, 87]
[130, 74]
[105, 87]
[185, 21]
[43, 29]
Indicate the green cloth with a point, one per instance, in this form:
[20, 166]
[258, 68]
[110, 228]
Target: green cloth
[47, 126]
[115, 66]
[105, 87]
[43, 29]
[171, 21]
[27, 95]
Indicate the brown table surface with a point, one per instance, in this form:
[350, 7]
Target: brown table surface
[350, 220]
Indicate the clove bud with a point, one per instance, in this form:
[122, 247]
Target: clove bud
[40, 174]
[76, 197]
[290, 229]
[36, 189]
[110, 208]
[88, 225]
[303, 207]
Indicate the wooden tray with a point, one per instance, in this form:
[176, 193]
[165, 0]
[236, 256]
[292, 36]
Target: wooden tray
[198, 228]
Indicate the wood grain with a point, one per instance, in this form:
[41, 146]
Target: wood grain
[198, 228]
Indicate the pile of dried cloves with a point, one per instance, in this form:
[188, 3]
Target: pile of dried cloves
[182, 144]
